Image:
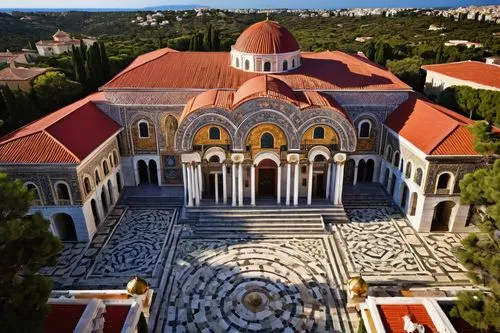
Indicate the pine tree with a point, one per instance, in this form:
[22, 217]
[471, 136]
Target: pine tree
[104, 62]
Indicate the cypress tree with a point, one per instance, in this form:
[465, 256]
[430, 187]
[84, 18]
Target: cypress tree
[9, 100]
[104, 62]
[79, 66]
[207, 39]
[215, 40]
[370, 50]
[439, 54]
[83, 50]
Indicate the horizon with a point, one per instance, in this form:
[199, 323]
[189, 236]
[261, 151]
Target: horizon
[251, 4]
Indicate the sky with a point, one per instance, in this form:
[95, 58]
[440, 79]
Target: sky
[241, 3]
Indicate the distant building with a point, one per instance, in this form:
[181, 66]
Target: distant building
[363, 39]
[13, 58]
[474, 74]
[493, 60]
[19, 78]
[459, 42]
[436, 27]
[61, 43]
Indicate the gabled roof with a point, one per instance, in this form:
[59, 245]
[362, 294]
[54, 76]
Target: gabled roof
[165, 69]
[473, 71]
[68, 135]
[432, 128]
[20, 73]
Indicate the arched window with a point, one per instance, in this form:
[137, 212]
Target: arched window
[247, 65]
[267, 66]
[285, 65]
[267, 141]
[408, 170]
[37, 200]
[62, 192]
[444, 181]
[97, 177]
[364, 129]
[418, 176]
[214, 133]
[319, 133]
[115, 157]
[396, 159]
[388, 153]
[87, 185]
[214, 159]
[237, 62]
[143, 129]
[105, 168]
[110, 158]
[293, 63]
[401, 165]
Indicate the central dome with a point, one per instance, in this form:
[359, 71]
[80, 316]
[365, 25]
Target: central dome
[266, 37]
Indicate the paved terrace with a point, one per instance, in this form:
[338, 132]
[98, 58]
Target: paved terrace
[258, 282]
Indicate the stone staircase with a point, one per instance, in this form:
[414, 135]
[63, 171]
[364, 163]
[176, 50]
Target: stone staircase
[146, 202]
[260, 220]
[366, 196]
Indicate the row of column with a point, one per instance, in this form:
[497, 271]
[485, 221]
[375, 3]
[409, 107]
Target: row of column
[193, 183]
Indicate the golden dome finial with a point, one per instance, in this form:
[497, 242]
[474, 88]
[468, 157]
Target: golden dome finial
[357, 286]
[137, 286]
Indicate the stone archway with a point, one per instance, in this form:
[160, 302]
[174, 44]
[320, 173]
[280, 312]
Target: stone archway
[64, 227]
[143, 172]
[266, 180]
[349, 171]
[153, 172]
[442, 216]
[95, 212]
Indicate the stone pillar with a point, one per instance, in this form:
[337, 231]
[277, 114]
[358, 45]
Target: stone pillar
[234, 190]
[189, 186]
[185, 181]
[240, 184]
[333, 180]
[252, 184]
[288, 175]
[310, 182]
[355, 180]
[296, 184]
[196, 188]
[216, 187]
[200, 181]
[224, 184]
[278, 187]
[339, 177]
[328, 180]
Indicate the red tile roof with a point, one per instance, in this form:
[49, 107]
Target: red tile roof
[65, 136]
[164, 69]
[264, 86]
[20, 74]
[63, 318]
[473, 71]
[433, 129]
[392, 317]
[266, 37]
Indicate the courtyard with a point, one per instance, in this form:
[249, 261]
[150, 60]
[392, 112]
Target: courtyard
[256, 283]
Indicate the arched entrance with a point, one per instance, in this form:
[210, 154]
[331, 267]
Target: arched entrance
[104, 202]
[153, 172]
[404, 197]
[119, 182]
[393, 184]
[64, 227]
[349, 171]
[442, 214]
[95, 212]
[386, 178]
[143, 172]
[266, 178]
[361, 171]
[370, 166]
[319, 169]
[110, 191]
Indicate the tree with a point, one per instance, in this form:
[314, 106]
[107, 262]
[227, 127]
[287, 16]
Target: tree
[439, 54]
[104, 63]
[409, 71]
[215, 40]
[370, 50]
[383, 52]
[79, 66]
[19, 109]
[27, 245]
[94, 67]
[53, 91]
[207, 39]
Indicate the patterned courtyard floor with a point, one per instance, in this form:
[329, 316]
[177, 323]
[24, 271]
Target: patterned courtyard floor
[256, 284]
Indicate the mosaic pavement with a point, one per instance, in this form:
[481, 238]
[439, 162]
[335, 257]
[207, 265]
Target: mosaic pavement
[245, 284]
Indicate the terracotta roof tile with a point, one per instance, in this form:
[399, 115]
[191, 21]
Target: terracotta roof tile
[264, 86]
[392, 317]
[266, 37]
[65, 136]
[473, 71]
[433, 129]
[211, 70]
[20, 73]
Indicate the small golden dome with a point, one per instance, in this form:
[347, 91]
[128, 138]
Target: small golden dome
[358, 286]
[137, 286]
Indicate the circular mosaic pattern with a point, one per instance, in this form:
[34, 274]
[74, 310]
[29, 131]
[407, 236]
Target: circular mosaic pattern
[249, 287]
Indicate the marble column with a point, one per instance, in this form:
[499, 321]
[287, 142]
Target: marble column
[234, 190]
[252, 184]
[196, 188]
[185, 181]
[200, 181]
[189, 186]
[240, 184]
[339, 182]
[278, 187]
[297, 183]
[224, 183]
[310, 182]
[288, 175]
[216, 182]
[328, 180]
[333, 189]
[355, 180]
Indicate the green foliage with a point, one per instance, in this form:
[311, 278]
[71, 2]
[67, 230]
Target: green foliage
[409, 71]
[478, 308]
[94, 67]
[486, 141]
[106, 72]
[53, 91]
[383, 52]
[473, 103]
[79, 65]
[27, 245]
[369, 50]
[19, 109]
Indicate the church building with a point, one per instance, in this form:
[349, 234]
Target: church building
[265, 123]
